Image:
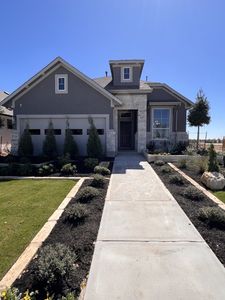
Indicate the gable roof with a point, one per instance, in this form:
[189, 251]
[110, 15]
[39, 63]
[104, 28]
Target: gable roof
[57, 62]
[3, 95]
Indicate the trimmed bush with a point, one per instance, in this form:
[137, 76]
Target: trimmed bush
[213, 216]
[176, 179]
[87, 193]
[70, 145]
[98, 181]
[75, 213]
[159, 162]
[90, 163]
[102, 171]
[68, 169]
[46, 169]
[94, 145]
[54, 264]
[178, 148]
[193, 193]
[182, 164]
[25, 148]
[49, 144]
[166, 169]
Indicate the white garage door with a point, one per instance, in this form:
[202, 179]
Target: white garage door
[79, 126]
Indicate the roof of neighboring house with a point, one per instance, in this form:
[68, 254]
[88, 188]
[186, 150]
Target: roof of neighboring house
[3, 95]
[4, 110]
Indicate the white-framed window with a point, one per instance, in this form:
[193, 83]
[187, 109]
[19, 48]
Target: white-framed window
[126, 74]
[161, 120]
[61, 83]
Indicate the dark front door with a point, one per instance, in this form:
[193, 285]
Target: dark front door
[126, 129]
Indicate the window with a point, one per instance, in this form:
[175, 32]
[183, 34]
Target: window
[76, 131]
[61, 83]
[56, 131]
[100, 131]
[9, 124]
[126, 74]
[35, 131]
[161, 123]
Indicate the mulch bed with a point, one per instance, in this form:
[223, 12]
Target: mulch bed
[80, 238]
[214, 237]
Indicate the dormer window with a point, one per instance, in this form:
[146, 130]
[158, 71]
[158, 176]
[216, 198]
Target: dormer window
[61, 83]
[126, 74]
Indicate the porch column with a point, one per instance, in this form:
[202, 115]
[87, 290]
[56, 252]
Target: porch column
[142, 128]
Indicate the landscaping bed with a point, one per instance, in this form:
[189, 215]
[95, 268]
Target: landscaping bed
[25, 206]
[79, 237]
[214, 236]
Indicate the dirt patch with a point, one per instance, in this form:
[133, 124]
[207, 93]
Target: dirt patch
[214, 237]
[79, 238]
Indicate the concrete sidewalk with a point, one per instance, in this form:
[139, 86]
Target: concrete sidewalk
[147, 248]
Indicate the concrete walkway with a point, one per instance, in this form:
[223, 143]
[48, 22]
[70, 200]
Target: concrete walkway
[147, 248]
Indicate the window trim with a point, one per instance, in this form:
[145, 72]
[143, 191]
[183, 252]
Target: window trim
[57, 90]
[170, 122]
[122, 74]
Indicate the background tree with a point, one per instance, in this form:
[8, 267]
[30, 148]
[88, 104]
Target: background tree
[70, 145]
[49, 144]
[199, 113]
[25, 148]
[94, 145]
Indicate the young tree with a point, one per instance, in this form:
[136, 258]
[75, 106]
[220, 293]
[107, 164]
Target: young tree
[25, 148]
[70, 146]
[213, 164]
[94, 146]
[199, 113]
[49, 144]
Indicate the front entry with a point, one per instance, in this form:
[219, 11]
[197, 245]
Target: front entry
[127, 129]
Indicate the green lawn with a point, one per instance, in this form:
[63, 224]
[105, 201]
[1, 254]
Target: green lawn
[220, 195]
[25, 205]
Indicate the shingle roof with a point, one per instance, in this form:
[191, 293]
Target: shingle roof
[3, 95]
[4, 110]
[106, 83]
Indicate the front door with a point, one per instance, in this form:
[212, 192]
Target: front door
[126, 130]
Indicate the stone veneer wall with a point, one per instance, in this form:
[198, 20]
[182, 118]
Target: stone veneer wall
[111, 143]
[139, 103]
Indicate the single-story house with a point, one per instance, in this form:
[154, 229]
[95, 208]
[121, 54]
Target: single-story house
[127, 111]
[5, 126]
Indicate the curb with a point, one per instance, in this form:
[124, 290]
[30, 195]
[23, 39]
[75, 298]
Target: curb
[27, 255]
[198, 186]
[39, 178]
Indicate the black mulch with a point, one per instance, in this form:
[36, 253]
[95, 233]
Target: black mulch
[214, 237]
[80, 238]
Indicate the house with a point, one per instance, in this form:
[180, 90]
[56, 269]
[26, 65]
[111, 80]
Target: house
[5, 126]
[127, 111]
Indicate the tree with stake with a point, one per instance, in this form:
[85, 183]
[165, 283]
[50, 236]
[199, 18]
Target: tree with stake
[49, 144]
[94, 146]
[199, 113]
[70, 146]
[25, 148]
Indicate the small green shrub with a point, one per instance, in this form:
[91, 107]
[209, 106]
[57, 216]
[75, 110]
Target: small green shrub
[54, 264]
[64, 160]
[178, 148]
[26, 170]
[213, 164]
[70, 145]
[159, 162]
[14, 294]
[213, 216]
[166, 169]
[182, 164]
[46, 169]
[94, 145]
[193, 193]
[176, 179]
[90, 163]
[75, 213]
[25, 147]
[68, 169]
[49, 144]
[151, 147]
[102, 170]
[87, 193]
[201, 165]
[104, 164]
[98, 181]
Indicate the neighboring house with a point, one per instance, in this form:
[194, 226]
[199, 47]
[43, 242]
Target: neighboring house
[5, 126]
[127, 111]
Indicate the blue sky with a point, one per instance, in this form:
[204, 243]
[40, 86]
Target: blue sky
[182, 42]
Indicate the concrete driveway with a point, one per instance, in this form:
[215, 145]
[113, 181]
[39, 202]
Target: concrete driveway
[147, 248]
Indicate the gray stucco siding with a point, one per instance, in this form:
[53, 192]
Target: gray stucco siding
[81, 99]
[160, 95]
[117, 78]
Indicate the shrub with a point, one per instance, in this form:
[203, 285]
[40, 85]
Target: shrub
[224, 161]
[54, 264]
[213, 164]
[75, 213]
[26, 170]
[104, 164]
[98, 181]
[159, 162]
[94, 146]
[49, 144]
[193, 193]
[90, 163]
[178, 148]
[87, 193]
[13, 169]
[63, 160]
[102, 171]
[14, 294]
[4, 171]
[70, 145]
[202, 152]
[202, 165]
[151, 147]
[46, 170]
[166, 169]
[182, 164]
[68, 169]
[213, 216]
[176, 179]
[25, 147]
